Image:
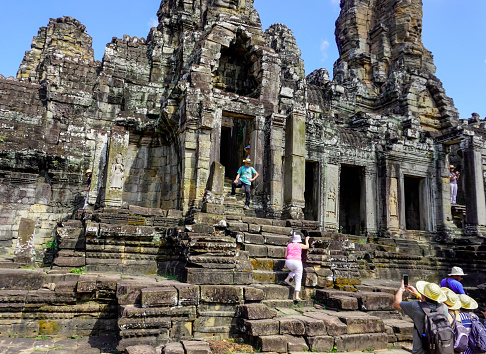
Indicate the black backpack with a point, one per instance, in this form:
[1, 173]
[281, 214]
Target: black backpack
[438, 335]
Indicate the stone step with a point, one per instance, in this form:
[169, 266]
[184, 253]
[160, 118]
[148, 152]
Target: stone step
[269, 264]
[275, 292]
[289, 303]
[268, 277]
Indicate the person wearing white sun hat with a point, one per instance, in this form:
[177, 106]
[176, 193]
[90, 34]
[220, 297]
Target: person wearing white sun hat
[468, 304]
[453, 304]
[425, 292]
[453, 282]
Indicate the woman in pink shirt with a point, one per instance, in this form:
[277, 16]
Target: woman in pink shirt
[294, 261]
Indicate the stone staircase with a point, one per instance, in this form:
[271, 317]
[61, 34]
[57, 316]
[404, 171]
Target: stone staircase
[234, 205]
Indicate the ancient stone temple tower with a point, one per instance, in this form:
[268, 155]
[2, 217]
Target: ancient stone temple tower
[163, 121]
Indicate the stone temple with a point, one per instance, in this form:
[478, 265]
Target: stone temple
[359, 162]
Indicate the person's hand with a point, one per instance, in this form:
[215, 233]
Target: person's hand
[235, 181]
[413, 291]
[307, 237]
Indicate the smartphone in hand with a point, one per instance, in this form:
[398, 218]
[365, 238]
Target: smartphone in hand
[405, 280]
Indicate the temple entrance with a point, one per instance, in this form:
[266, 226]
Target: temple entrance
[235, 136]
[311, 193]
[350, 220]
[413, 202]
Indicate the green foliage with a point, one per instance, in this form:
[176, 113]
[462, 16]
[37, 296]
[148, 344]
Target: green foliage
[42, 337]
[78, 270]
[333, 350]
[52, 243]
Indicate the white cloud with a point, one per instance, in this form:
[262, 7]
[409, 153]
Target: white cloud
[335, 2]
[324, 46]
[153, 22]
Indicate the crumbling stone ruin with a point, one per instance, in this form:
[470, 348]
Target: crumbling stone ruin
[359, 162]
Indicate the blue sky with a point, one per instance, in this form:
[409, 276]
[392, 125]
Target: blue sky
[454, 30]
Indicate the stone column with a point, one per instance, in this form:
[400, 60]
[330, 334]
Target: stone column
[116, 164]
[99, 161]
[275, 166]
[474, 183]
[331, 201]
[442, 196]
[294, 166]
[368, 201]
[392, 206]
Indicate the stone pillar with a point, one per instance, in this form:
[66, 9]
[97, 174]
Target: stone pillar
[257, 139]
[116, 165]
[392, 206]
[294, 166]
[442, 195]
[368, 201]
[213, 197]
[24, 249]
[275, 166]
[331, 201]
[474, 183]
[99, 161]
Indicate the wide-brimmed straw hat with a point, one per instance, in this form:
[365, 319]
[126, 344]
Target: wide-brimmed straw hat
[457, 271]
[451, 166]
[431, 291]
[468, 302]
[453, 302]
[88, 172]
[247, 161]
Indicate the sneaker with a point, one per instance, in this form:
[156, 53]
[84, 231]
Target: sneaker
[246, 207]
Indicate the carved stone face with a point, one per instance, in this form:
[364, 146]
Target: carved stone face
[231, 4]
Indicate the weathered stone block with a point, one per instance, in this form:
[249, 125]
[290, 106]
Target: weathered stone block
[333, 324]
[141, 349]
[224, 294]
[276, 252]
[321, 343]
[291, 326]
[173, 348]
[377, 301]
[313, 327]
[259, 327]
[272, 343]
[188, 294]
[256, 250]
[254, 239]
[276, 240]
[209, 276]
[359, 342]
[129, 293]
[361, 323]
[196, 347]
[279, 230]
[255, 312]
[296, 344]
[155, 297]
[253, 294]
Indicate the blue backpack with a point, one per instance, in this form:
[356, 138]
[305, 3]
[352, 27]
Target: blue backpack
[460, 335]
[477, 336]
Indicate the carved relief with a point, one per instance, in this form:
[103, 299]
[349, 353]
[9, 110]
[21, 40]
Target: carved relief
[331, 203]
[117, 173]
[393, 204]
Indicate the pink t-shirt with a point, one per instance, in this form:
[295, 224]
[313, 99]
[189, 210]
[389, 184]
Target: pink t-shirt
[294, 251]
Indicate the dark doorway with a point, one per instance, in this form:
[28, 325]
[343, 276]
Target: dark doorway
[350, 200]
[311, 193]
[235, 135]
[412, 202]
